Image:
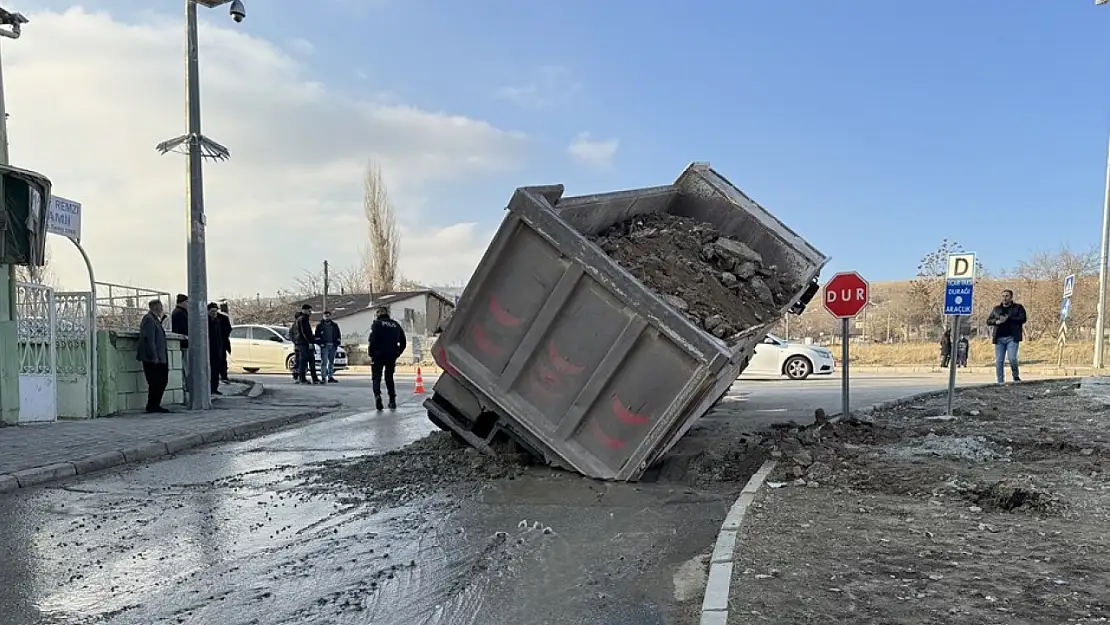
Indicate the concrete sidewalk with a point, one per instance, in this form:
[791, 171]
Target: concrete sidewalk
[36, 454]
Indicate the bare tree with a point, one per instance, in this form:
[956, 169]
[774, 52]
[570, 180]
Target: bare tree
[927, 289]
[1041, 288]
[262, 310]
[309, 284]
[37, 275]
[384, 245]
[352, 279]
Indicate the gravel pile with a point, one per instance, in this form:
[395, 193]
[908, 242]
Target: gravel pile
[720, 284]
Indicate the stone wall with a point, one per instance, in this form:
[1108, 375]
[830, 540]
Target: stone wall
[121, 385]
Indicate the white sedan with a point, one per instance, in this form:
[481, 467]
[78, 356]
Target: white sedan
[255, 347]
[797, 361]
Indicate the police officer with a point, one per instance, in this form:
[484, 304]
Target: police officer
[387, 342]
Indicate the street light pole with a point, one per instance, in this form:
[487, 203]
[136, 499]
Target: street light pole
[197, 147]
[9, 334]
[1100, 322]
[199, 373]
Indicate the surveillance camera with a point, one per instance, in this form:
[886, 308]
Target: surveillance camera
[238, 11]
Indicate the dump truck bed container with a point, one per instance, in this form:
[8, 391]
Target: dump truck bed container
[557, 346]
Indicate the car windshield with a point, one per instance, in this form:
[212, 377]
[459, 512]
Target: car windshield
[283, 332]
[776, 339]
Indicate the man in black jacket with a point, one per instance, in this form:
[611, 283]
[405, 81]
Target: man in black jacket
[217, 340]
[179, 318]
[387, 342]
[225, 327]
[179, 324]
[303, 343]
[1007, 319]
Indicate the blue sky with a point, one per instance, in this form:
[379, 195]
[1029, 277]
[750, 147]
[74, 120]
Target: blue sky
[873, 128]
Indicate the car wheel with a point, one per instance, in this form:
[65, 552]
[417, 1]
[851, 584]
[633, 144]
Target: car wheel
[250, 369]
[797, 368]
[289, 360]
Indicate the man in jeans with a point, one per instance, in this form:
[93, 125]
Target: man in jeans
[1007, 320]
[328, 338]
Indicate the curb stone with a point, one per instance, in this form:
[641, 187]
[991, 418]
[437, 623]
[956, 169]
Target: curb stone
[714, 606]
[254, 388]
[50, 473]
[8, 483]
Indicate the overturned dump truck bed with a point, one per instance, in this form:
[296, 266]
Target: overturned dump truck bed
[559, 348]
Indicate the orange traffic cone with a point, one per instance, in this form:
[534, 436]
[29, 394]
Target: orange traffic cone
[419, 383]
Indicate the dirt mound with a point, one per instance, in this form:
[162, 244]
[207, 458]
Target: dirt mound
[429, 465]
[1005, 497]
[720, 284]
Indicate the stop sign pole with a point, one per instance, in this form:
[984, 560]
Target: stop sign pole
[845, 295]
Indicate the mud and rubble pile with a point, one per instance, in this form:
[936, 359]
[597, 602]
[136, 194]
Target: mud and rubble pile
[429, 465]
[720, 284]
[993, 427]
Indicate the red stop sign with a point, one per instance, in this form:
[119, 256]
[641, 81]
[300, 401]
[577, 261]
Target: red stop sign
[846, 294]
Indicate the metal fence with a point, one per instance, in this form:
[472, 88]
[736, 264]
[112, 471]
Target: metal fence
[121, 307]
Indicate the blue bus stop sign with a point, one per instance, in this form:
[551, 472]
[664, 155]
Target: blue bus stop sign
[958, 297]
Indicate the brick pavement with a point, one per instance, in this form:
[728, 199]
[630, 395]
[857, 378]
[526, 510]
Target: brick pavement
[35, 454]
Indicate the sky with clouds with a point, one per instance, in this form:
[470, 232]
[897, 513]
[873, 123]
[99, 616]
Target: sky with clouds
[872, 128]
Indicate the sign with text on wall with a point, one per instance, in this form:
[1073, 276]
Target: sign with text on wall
[63, 218]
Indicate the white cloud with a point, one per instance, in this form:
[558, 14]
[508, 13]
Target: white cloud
[593, 152]
[445, 255]
[301, 46]
[550, 86]
[90, 96]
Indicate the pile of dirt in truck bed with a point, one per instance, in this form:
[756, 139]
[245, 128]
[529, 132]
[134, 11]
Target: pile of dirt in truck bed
[720, 284]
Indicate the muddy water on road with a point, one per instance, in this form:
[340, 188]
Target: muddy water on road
[151, 544]
[232, 535]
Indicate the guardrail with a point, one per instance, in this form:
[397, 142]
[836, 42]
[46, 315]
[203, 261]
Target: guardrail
[121, 307]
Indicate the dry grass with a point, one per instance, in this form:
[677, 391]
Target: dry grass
[981, 353]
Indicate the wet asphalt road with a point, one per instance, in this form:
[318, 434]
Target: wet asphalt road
[226, 535]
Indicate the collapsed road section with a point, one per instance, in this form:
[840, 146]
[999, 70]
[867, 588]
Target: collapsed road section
[598, 329]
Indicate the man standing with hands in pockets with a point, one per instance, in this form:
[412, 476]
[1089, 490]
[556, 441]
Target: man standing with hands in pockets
[1007, 320]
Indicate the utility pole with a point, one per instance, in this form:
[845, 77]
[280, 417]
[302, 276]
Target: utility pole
[9, 332]
[197, 147]
[1100, 322]
[325, 304]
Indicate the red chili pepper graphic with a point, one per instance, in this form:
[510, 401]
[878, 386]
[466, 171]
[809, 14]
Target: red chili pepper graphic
[605, 439]
[562, 365]
[544, 382]
[441, 360]
[624, 414]
[483, 342]
[502, 316]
